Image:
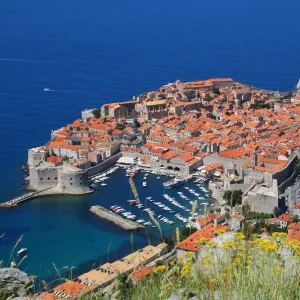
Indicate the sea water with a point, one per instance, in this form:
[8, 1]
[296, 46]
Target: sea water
[94, 52]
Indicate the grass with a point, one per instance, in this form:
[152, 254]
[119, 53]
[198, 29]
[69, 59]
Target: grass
[229, 268]
[265, 269]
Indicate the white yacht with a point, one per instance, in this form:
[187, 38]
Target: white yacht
[22, 251]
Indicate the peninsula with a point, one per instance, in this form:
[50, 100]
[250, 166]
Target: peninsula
[237, 136]
[242, 140]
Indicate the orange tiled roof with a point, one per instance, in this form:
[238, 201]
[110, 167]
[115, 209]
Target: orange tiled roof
[71, 288]
[285, 217]
[47, 296]
[138, 274]
[170, 154]
[208, 232]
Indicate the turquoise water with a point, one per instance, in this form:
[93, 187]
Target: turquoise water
[92, 52]
[61, 230]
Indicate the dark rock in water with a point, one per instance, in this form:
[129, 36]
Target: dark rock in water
[15, 281]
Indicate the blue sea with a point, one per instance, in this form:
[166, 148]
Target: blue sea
[93, 52]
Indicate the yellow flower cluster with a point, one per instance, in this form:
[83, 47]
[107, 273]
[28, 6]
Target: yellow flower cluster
[267, 245]
[229, 245]
[239, 236]
[220, 231]
[206, 260]
[160, 268]
[202, 241]
[189, 254]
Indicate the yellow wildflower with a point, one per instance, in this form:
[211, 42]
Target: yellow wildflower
[206, 260]
[160, 268]
[202, 241]
[220, 231]
[249, 260]
[282, 235]
[185, 270]
[239, 236]
[212, 282]
[212, 244]
[292, 242]
[228, 245]
[277, 270]
[188, 254]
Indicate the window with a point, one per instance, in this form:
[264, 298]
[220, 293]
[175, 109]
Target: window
[48, 178]
[71, 178]
[80, 183]
[71, 183]
[41, 178]
[55, 178]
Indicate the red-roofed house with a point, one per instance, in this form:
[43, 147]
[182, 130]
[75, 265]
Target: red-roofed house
[191, 243]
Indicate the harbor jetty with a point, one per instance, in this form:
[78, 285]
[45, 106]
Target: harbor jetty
[18, 200]
[109, 216]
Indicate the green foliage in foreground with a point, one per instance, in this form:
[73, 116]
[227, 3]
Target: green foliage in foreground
[4, 294]
[235, 269]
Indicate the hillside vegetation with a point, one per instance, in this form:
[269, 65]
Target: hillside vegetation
[265, 269]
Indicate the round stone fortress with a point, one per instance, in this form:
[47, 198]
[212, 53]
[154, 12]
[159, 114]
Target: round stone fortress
[62, 178]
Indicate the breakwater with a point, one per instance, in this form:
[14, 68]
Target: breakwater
[109, 216]
[18, 200]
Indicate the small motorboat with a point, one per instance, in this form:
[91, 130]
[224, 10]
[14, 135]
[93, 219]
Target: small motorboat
[47, 90]
[132, 202]
[144, 184]
[22, 251]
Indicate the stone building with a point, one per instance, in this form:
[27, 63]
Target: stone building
[63, 179]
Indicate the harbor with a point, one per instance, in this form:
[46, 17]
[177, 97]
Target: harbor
[63, 218]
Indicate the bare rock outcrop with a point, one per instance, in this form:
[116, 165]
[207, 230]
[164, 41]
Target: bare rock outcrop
[15, 281]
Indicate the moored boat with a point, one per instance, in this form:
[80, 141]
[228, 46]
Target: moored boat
[22, 251]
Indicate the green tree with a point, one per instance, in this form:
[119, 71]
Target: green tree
[297, 167]
[96, 113]
[216, 91]
[233, 197]
[120, 126]
[295, 218]
[190, 95]
[209, 98]
[125, 286]
[246, 210]
[137, 123]
[276, 211]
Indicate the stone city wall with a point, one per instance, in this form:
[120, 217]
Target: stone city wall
[104, 165]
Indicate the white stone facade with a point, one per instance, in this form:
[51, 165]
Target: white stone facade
[63, 179]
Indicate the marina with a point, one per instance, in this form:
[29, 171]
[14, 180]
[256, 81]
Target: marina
[165, 205]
